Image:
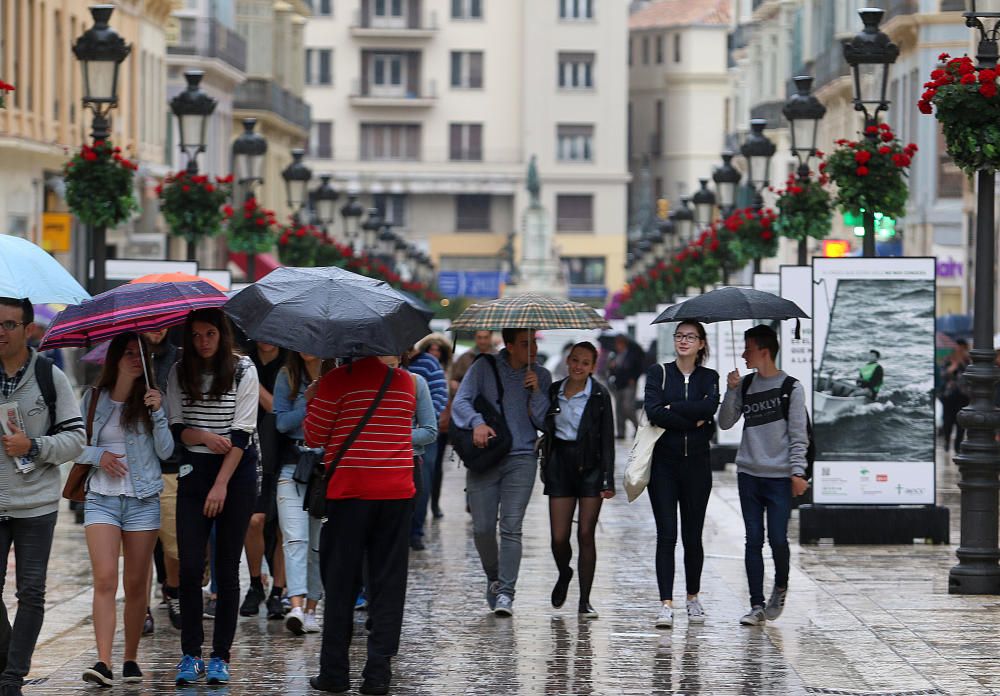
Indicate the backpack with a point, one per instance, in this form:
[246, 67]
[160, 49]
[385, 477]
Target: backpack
[47, 386]
[786, 398]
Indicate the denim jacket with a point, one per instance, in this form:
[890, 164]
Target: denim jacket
[144, 452]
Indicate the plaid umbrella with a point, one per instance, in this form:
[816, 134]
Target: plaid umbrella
[528, 311]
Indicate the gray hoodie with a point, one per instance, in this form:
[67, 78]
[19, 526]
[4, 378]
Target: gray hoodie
[37, 493]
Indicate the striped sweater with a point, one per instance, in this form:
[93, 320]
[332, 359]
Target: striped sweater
[379, 465]
[233, 412]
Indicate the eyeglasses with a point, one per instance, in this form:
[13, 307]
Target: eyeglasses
[11, 325]
[686, 338]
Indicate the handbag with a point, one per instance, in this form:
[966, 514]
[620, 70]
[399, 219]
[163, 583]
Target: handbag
[483, 458]
[640, 457]
[319, 480]
[75, 487]
[306, 461]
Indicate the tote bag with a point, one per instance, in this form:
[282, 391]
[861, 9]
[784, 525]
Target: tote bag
[640, 457]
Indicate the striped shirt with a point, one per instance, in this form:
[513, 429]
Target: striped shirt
[379, 464]
[236, 409]
[427, 366]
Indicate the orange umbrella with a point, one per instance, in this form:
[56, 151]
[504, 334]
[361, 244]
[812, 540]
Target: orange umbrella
[174, 278]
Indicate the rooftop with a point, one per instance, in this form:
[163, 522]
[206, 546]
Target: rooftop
[674, 13]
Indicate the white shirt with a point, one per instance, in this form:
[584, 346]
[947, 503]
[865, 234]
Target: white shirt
[571, 411]
[112, 437]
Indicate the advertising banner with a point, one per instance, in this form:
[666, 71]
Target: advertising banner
[873, 385]
[796, 356]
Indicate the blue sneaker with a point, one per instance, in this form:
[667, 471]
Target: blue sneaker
[189, 670]
[361, 603]
[218, 671]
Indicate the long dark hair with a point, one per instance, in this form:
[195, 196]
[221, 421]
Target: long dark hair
[700, 329]
[222, 365]
[297, 373]
[134, 409]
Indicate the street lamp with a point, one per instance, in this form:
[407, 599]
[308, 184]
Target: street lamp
[248, 166]
[727, 178]
[684, 221]
[351, 212]
[370, 229]
[977, 571]
[297, 176]
[192, 107]
[758, 151]
[804, 112]
[386, 243]
[326, 202]
[704, 204]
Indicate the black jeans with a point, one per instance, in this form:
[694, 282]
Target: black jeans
[770, 497]
[32, 540]
[379, 531]
[685, 484]
[193, 530]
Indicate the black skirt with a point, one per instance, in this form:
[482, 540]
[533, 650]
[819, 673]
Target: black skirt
[565, 477]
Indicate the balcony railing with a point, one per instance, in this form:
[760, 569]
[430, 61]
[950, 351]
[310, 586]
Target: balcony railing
[418, 22]
[259, 94]
[420, 95]
[830, 65]
[210, 39]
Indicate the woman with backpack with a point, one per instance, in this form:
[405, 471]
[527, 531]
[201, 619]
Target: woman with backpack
[212, 396]
[128, 436]
[681, 397]
[578, 469]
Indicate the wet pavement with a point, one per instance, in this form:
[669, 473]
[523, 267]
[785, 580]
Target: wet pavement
[859, 620]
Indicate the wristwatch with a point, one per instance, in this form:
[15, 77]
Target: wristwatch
[34, 450]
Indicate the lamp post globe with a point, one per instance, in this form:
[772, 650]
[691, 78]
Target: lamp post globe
[386, 242]
[704, 204]
[684, 221]
[758, 150]
[370, 230]
[727, 179]
[101, 52]
[351, 212]
[803, 112]
[192, 107]
[248, 155]
[870, 53]
[297, 176]
[980, 10]
[325, 198]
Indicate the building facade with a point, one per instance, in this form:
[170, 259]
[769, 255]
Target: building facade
[430, 111]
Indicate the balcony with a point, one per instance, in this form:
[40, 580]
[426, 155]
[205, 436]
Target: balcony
[830, 65]
[209, 39]
[412, 96]
[413, 23]
[258, 94]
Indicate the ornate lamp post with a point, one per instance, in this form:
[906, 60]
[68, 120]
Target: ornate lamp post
[804, 112]
[870, 54]
[101, 52]
[325, 198]
[704, 204]
[248, 168]
[370, 231]
[352, 211]
[758, 150]
[297, 176]
[727, 179]
[387, 244]
[977, 571]
[684, 221]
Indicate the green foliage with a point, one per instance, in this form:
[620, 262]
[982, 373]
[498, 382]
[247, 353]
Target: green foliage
[194, 206]
[251, 231]
[99, 185]
[870, 173]
[805, 209]
[299, 245]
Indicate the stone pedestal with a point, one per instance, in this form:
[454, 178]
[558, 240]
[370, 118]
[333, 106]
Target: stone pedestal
[539, 270]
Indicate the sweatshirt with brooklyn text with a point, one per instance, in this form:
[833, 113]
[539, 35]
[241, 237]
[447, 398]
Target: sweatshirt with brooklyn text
[772, 447]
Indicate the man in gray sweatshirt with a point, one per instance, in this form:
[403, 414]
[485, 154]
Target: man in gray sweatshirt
[506, 488]
[29, 484]
[770, 464]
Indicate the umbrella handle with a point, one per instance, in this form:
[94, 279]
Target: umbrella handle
[142, 357]
[732, 335]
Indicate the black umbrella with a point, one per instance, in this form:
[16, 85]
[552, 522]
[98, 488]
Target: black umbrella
[327, 312]
[419, 304]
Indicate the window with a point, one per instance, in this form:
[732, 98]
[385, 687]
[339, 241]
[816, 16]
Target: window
[574, 213]
[575, 143]
[659, 49]
[321, 139]
[645, 50]
[576, 70]
[677, 48]
[466, 142]
[390, 141]
[584, 270]
[576, 9]
[319, 70]
[467, 69]
[630, 51]
[388, 13]
[323, 8]
[388, 74]
[466, 9]
[657, 144]
[392, 207]
[472, 213]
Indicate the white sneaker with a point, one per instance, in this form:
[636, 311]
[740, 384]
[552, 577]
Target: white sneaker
[295, 621]
[696, 613]
[311, 624]
[665, 619]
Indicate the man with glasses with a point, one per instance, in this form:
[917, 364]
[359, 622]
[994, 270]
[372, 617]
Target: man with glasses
[32, 450]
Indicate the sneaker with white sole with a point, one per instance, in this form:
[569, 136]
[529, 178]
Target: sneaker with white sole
[696, 612]
[665, 619]
[504, 606]
[295, 621]
[754, 617]
[492, 591]
[775, 605]
[311, 623]
[217, 672]
[189, 670]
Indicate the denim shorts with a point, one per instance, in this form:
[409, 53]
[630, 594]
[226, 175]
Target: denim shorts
[125, 512]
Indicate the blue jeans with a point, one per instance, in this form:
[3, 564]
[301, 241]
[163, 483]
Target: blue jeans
[300, 534]
[771, 497]
[501, 493]
[423, 497]
[32, 540]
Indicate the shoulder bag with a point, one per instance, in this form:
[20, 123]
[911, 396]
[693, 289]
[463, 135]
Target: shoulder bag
[75, 487]
[640, 457]
[483, 458]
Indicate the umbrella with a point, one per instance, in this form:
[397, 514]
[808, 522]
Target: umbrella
[327, 312]
[176, 277]
[45, 313]
[27, 270]
[528, 311]
[418, 304]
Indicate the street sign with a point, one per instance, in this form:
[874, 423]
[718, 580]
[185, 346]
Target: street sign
[478, 284]
[56, 232]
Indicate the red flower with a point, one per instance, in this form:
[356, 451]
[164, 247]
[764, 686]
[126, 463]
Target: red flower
[884, 126]
[261, 222]
[928, 95]
[159, 189]
[862, 156]
[943, 57]
[938, 73]
[714, 246]
[820, 153]
[89, 155]
[227, 210]
[871, 130]
[987, 75]
[301, 232]
[884, 150]
[968, 79]
[185, 188]
[910, 149]
[924, 106]
[822, 166]
[795, 190]
[861, 171]
[888, 137]
[284, 239]
[965, 66]
[209, 188]
[766, 235]
[988, 89]
[823, 180]
[247, 215]
[98, 143]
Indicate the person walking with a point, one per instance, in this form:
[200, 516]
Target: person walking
[625, 367]
[425, 365]
[439, 347]
[128, 438]
[954, 394]
[212, 398]
[681, 397]
[579, 469]
[770, 464]
[501, 494]
[370, 493]
[30, 483]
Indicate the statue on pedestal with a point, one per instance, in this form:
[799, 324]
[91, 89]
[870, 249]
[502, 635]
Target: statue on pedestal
[539, 268]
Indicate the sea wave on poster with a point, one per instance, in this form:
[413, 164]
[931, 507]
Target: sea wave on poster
[895, 317]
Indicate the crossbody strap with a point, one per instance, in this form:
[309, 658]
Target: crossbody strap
[358, 428]
[95, 394]
[496, 375]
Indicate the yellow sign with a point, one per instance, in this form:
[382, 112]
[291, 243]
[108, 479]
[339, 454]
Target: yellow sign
[56, 227]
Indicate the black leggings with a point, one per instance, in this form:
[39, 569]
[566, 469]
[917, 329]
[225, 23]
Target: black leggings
[193, 530]
[687, 484]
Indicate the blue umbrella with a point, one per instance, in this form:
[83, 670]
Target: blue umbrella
[27, 270]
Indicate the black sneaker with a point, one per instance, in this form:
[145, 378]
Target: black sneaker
[275, 609]
[174, 611]
[131, 672]
[147, 625]
[208, 610]
[375, 687]
[417, 544]
[99, 674]
[333, 686]
[561, 588]
[251, 603]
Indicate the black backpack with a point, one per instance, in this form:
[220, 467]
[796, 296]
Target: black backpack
[47, 386]
[786, 398]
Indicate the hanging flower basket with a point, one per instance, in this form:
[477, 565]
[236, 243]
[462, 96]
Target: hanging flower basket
[99, 185]
[964, 99]
[4, 88]
[330, 253]
[805, 208]
[195, 206]
[251, 229]
[298, 245]
[870, 173]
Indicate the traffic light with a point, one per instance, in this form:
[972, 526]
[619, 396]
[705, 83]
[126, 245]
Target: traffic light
[662, 208]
